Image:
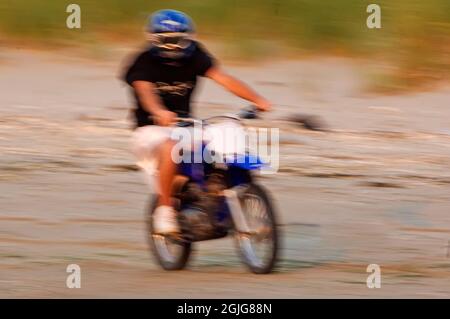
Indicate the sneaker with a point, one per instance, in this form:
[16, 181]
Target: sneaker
[165, 220]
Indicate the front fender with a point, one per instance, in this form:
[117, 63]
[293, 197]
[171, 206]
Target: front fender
[246, 162]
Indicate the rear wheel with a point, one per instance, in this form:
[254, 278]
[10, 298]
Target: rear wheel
[171, 253]
[259, 247]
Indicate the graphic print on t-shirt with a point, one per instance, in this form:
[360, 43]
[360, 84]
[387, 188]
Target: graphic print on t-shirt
[174, 82]
[176, 88]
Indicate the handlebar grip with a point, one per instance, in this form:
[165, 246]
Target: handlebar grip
[250, 112]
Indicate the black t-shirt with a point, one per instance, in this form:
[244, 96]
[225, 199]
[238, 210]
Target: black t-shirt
[174, 82]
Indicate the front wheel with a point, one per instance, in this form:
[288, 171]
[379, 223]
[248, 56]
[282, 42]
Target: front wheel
[171, 253]
[259, 247]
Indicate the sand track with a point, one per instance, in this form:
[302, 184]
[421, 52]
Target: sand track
[375, 189]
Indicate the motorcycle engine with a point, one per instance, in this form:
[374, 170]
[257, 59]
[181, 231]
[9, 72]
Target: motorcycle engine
[199, 216]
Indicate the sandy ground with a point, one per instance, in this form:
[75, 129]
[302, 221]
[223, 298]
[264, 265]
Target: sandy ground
[373, 190]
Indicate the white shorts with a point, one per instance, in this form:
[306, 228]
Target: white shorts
[144, 142]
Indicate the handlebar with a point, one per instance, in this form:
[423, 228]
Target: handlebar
[250, 112]
[188, 120]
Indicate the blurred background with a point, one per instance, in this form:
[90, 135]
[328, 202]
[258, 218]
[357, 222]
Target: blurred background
[412, 43]
[374, 188]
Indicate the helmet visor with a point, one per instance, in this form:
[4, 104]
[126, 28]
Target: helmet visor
[171, 40]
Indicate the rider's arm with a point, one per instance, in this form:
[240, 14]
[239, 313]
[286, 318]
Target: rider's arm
[237, 87]
[152, 103]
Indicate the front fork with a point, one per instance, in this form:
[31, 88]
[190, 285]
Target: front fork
[232, 196]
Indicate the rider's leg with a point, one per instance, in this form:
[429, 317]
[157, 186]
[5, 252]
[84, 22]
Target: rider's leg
[152, 147]
[164, 216]
[167, 171]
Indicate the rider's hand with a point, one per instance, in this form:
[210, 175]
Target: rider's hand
[164, 117]
[263, 106]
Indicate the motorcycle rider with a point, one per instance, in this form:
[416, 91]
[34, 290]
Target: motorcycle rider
[163, 78]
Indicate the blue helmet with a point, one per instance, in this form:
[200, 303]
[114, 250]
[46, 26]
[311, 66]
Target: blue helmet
[170, 21]
[170, 33]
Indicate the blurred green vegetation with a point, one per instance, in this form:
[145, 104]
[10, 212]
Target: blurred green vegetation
[412, 47]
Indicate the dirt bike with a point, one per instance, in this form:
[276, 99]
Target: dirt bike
[217, 200]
